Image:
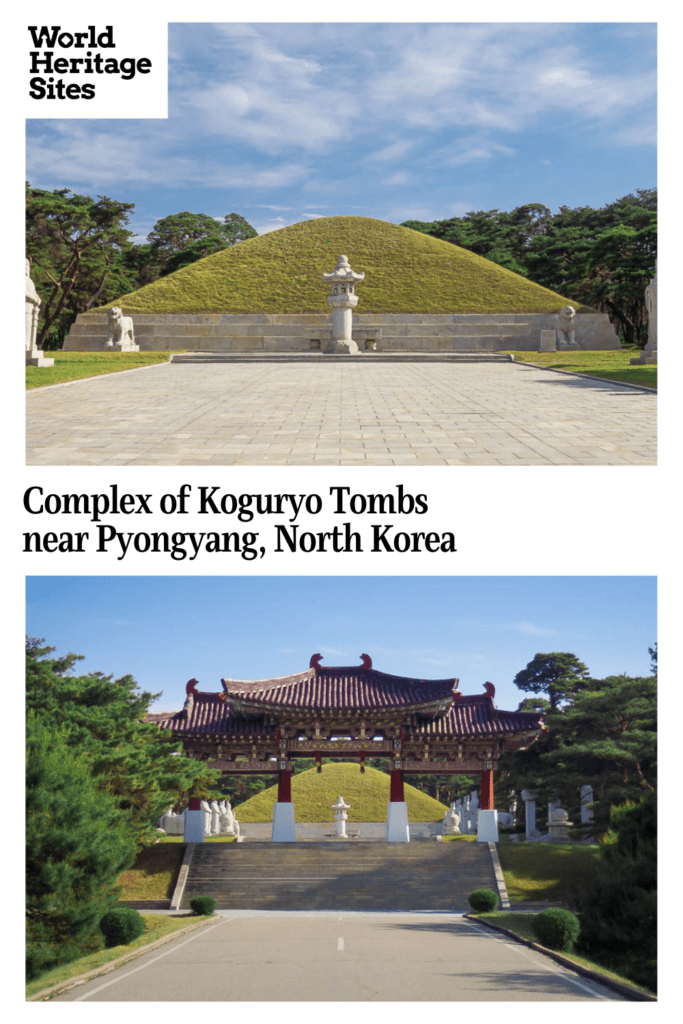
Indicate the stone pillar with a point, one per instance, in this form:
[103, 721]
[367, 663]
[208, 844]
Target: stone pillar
[548, 341]
[649, 353]
[529, 813]
[34, 355]
[194, 822]
[586, 800]
[343, 300]
[283, 811]
[398, 830]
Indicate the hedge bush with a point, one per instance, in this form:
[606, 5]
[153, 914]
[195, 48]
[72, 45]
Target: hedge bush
[121, 925]
[556, 928]
[204, 905]
[483, 900]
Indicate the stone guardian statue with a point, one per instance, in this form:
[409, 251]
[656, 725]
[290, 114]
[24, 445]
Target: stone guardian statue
[566, 334]
[121, 337]
[34, 355]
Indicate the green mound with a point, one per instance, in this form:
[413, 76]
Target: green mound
[281, 272]
[368, 794]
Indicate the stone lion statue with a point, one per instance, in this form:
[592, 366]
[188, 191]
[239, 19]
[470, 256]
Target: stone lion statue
[566, 336]
[121, 336]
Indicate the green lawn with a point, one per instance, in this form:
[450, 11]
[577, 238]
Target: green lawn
[545, 871]
[77, 365]
[521, 924]
[611, 365]
[156, 927]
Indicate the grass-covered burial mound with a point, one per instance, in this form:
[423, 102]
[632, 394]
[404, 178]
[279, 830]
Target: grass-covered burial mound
[368, 794]
[281, 272]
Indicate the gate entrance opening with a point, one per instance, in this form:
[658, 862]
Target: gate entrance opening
[352, 712]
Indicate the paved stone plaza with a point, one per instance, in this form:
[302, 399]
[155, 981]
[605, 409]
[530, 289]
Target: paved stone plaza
[255, 414]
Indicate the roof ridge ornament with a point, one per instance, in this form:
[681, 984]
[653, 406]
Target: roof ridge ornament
[366, 661]
[315, 661]
[490, 690]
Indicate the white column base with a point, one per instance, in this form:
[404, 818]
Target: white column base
[194, 827]
[283, 824]
[35, 357]
[398, 830]
[487, 827]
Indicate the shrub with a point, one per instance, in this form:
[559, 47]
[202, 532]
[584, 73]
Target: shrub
[121, 925]
[556, 928]
[203, 905]
[483, 900]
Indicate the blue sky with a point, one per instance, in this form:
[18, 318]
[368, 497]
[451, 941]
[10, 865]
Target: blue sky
[287, 122]
[165, 630]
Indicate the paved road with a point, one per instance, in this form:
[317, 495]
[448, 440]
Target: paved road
[251, 957]
[411, 414]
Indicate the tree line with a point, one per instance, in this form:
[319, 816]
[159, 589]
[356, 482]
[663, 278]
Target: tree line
[601, 732]
[82, 254]
[603, 258]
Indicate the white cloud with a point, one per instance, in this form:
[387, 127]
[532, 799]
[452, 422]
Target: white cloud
[394, 151]
[529, 628]
[467, 152]
[400, 178]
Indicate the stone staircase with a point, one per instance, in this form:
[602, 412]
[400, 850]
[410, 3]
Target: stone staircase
[357, 831]
[412, 876]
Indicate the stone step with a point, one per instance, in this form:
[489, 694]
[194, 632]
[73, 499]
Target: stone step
[183, 358]
[329, 876]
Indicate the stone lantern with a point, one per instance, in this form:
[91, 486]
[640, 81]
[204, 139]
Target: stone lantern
[342, 299]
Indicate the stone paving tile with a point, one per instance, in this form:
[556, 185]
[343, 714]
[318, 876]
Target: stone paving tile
[410, 414]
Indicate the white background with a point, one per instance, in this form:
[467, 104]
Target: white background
[517, 521]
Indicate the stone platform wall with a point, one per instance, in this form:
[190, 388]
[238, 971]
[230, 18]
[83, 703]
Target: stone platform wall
[392, 332]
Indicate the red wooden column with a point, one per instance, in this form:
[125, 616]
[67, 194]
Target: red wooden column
[486, 786]
[396, 786]
[284, 786]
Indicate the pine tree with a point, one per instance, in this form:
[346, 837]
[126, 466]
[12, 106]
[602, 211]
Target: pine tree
[618, 908]
[77, 843]
[103, 719]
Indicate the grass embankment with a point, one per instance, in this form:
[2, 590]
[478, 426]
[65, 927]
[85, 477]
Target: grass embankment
[610, 365]
[281, 272]
[368, 794]
[153, 875]
[156, 868]
[540, 871]
[522, 924]
[77, 365]
[156, 927]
